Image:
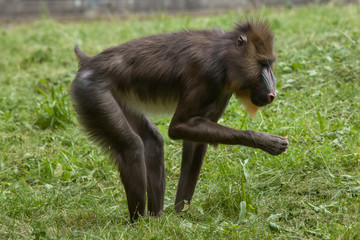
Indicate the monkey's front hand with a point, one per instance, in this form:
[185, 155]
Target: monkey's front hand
[272, 144]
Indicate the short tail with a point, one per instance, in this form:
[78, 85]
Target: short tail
[82, 57]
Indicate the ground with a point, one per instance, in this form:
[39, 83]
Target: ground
[56, 184]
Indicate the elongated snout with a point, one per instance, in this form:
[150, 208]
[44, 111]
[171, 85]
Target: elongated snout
[269, 79]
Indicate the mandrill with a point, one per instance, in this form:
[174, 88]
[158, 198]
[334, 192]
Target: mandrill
[192, 73]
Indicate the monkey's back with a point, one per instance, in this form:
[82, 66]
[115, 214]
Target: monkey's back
[160, 68]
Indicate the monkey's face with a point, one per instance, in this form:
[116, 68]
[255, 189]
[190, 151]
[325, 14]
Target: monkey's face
[254, 77]
[263, 89]
[251, 67]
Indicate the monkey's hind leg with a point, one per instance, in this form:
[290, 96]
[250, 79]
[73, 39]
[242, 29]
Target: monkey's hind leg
[154, 159]
[155, 169]
[104, 119]
[192, 159]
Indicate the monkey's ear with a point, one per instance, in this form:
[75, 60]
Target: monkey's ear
[241, 41]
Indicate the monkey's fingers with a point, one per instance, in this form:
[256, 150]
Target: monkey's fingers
[274, 145]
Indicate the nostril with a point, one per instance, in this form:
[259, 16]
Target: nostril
[271, 97]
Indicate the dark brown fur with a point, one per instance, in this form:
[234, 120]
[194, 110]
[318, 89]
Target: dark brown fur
[197, 72]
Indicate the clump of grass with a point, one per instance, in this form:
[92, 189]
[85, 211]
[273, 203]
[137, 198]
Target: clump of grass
[54, 109]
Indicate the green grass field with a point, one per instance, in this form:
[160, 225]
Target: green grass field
[56, 184]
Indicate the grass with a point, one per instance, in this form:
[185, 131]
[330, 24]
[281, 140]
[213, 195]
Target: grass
[56, 184]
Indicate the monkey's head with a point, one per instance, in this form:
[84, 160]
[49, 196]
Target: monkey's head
[251, 59]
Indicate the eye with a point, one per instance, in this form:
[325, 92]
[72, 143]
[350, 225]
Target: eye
[265, 63]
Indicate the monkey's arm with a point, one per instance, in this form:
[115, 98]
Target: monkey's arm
[200, 129]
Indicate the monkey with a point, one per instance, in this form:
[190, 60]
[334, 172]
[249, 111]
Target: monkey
[190, 73]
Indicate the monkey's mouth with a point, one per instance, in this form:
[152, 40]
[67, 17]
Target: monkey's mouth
[259, 102]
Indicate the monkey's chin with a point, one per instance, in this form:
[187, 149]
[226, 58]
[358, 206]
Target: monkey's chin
[244, 98]
[250, 108]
